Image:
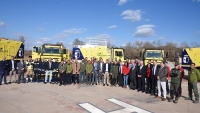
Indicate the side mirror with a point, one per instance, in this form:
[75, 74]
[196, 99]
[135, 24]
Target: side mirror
[167, 55]
[64, 51]
[36, 49]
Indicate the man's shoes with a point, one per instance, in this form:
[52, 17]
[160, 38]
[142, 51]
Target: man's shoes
[188, 98]
[96, 83]
[157, 97]
[107, 85]
[170, 100]
[44, 82]
[60, 84]
[103, 84]
[196, 102]
[175, 101]
[163, 99]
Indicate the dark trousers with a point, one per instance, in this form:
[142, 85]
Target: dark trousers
[149, 84]
[69, 78]
[62, 78]
[88, 78]
[20, 76]
[55, 77]
[180, 88]
[121, 80]
[154, 84]
[39, 76]
[141, 84]
[174, 89]
[36, 73]
[133, 84]
[3, 74]
[75, 78]
[167, 86]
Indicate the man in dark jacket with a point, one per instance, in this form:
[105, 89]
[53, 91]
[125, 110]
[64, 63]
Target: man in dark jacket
[106, 71]
[4, 66]
[42, 65]
[49, 70]
[36, 69]
[55, 71]
[141, 72]
[133, 76]
[175, 75]
[12, 69]
[155, 69]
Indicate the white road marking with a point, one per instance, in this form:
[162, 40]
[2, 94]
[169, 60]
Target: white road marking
[127, 107]
[91, 108]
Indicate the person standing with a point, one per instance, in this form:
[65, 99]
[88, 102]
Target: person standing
[162, 78]
[114, 73]
[49, 71]
[182, 76]
[141, 77]
[100, 75]
[155, 70]
[4, 70]
[106, 71]
[95, 72]
[148, 78]
[133, 76]
[82, 72]
[88, 69]
[120, 75]
[55, 71]
[125, 71]
[21, 66]
[75, 71]
[68, 72]
[12, 69]
[175, 82]
[42, 68]
[29, 64]
[168, 77]
[62, 72]
[36, 70]
[193, 77]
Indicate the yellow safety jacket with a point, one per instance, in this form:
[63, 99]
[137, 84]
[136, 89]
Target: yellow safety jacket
[29, 64]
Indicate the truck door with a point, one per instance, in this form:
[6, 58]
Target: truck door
[12, 51]
[36, 52]
[6, 51]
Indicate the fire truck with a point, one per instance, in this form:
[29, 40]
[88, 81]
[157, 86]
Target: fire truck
[97, 48]
[10, 48]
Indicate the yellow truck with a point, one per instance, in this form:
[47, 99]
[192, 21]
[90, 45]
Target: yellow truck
[97, 48]
[10, 48]
[190, 55]
[55, 51]
[152, 54]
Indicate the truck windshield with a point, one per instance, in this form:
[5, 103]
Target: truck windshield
[154, 54]
[52, 50]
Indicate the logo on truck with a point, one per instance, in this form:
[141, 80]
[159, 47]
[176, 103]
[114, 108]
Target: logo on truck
[186, 59]
[20, 53]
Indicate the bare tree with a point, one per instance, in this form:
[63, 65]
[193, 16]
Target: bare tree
[184, 45]
[148, 45]
[194, 44]
[78, 42]
[22, 39]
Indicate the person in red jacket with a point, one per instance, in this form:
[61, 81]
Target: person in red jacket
[148, 78]
[125, 71]
[182, 76]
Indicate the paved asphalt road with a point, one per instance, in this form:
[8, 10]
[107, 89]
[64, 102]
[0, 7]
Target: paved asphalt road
[48, 98]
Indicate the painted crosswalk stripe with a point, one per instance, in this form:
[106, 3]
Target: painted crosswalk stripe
[127, 107]
[91, 108]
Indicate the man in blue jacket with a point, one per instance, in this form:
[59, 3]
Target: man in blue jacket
[3, 69]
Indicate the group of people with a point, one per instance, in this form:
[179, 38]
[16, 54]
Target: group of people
[151, 78]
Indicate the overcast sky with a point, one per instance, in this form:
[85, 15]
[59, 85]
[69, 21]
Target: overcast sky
[122, 21]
